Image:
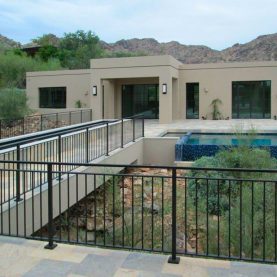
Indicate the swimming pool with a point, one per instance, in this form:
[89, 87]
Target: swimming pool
[232, 139]
[192, 146]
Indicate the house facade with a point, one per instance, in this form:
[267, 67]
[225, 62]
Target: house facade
[158, 87]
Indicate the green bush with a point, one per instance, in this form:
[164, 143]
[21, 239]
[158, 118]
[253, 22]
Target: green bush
[240, 200]
[14, 65]
[13, 103]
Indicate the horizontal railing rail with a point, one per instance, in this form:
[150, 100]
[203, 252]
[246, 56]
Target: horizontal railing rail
[253, 170]
[178, 210]
[44, 135]
[11, 142]
[76, 144]
[40, 122]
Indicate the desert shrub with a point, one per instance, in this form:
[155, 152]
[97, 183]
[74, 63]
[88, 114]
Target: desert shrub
[13, 103]
[242, 199]
[198, 180]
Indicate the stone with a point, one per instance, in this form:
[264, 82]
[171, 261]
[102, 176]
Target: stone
[99, 224]
[146, 169]
[90, 236]
[164, 171]
[148, 207]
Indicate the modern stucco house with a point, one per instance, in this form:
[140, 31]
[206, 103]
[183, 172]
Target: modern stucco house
[158, 87]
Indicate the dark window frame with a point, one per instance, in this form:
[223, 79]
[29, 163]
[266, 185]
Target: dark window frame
[133, 97]
[195, 114]
[52, 97]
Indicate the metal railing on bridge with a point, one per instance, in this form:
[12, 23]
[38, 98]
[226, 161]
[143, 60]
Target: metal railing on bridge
[207, 212]
[40, 122]
[76, 144]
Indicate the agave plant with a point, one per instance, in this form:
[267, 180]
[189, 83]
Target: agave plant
[216, 114]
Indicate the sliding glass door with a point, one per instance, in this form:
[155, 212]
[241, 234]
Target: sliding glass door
[251, 99]
[140, 100]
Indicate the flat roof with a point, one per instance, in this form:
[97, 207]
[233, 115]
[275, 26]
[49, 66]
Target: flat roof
[58, 72]
[149, 61]
[143, 61]
[228, 65]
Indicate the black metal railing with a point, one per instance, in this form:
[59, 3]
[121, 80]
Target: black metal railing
[207, 212]
[41, 122]
[75, 144]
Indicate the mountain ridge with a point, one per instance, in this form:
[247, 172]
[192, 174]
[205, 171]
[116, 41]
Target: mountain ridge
[262, 48]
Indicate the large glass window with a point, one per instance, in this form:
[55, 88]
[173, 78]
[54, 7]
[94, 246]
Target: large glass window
[140, 100]
[251, 99]
[52, 97]
[192, 100]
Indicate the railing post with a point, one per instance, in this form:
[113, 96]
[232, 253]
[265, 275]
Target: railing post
[143, 127]
[17, 198]
[70, 118]
[51, 245]
[81, 116]
[41, 118]
[107, 139]
[57, 120]
[87, 144]
[23, 123]
[134, 131]
[173, 259]
[60, 156]
[122, 138]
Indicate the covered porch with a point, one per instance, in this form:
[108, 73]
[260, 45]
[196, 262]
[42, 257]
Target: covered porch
[136, 87]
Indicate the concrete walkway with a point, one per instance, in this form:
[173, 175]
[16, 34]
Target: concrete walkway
[153, 128]
[20, 257]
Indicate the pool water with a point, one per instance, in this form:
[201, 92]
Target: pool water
[192, 146]
[231, 139]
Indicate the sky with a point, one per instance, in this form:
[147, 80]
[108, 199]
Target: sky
[214, 23]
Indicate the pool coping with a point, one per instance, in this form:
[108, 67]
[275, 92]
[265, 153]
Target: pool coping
[199, 131]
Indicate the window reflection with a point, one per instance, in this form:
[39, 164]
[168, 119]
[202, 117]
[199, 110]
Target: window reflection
[251, 99]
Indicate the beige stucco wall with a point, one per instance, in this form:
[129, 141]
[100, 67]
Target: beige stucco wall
[159, 151]
[217, 80]
[111, 73]
[77, 83]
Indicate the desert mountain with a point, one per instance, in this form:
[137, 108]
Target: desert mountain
[263, 48]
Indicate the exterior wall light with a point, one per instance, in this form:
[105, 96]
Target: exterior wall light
[164, 89]
[94, 90]
[205, 90]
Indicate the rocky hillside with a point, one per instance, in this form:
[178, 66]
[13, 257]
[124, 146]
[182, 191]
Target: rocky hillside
[6, 43]
[263, 48]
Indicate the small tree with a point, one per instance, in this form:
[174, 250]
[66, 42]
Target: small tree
[76, 49]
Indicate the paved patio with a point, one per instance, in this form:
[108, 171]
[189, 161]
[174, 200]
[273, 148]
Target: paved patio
[20, 257]
[153, 128]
